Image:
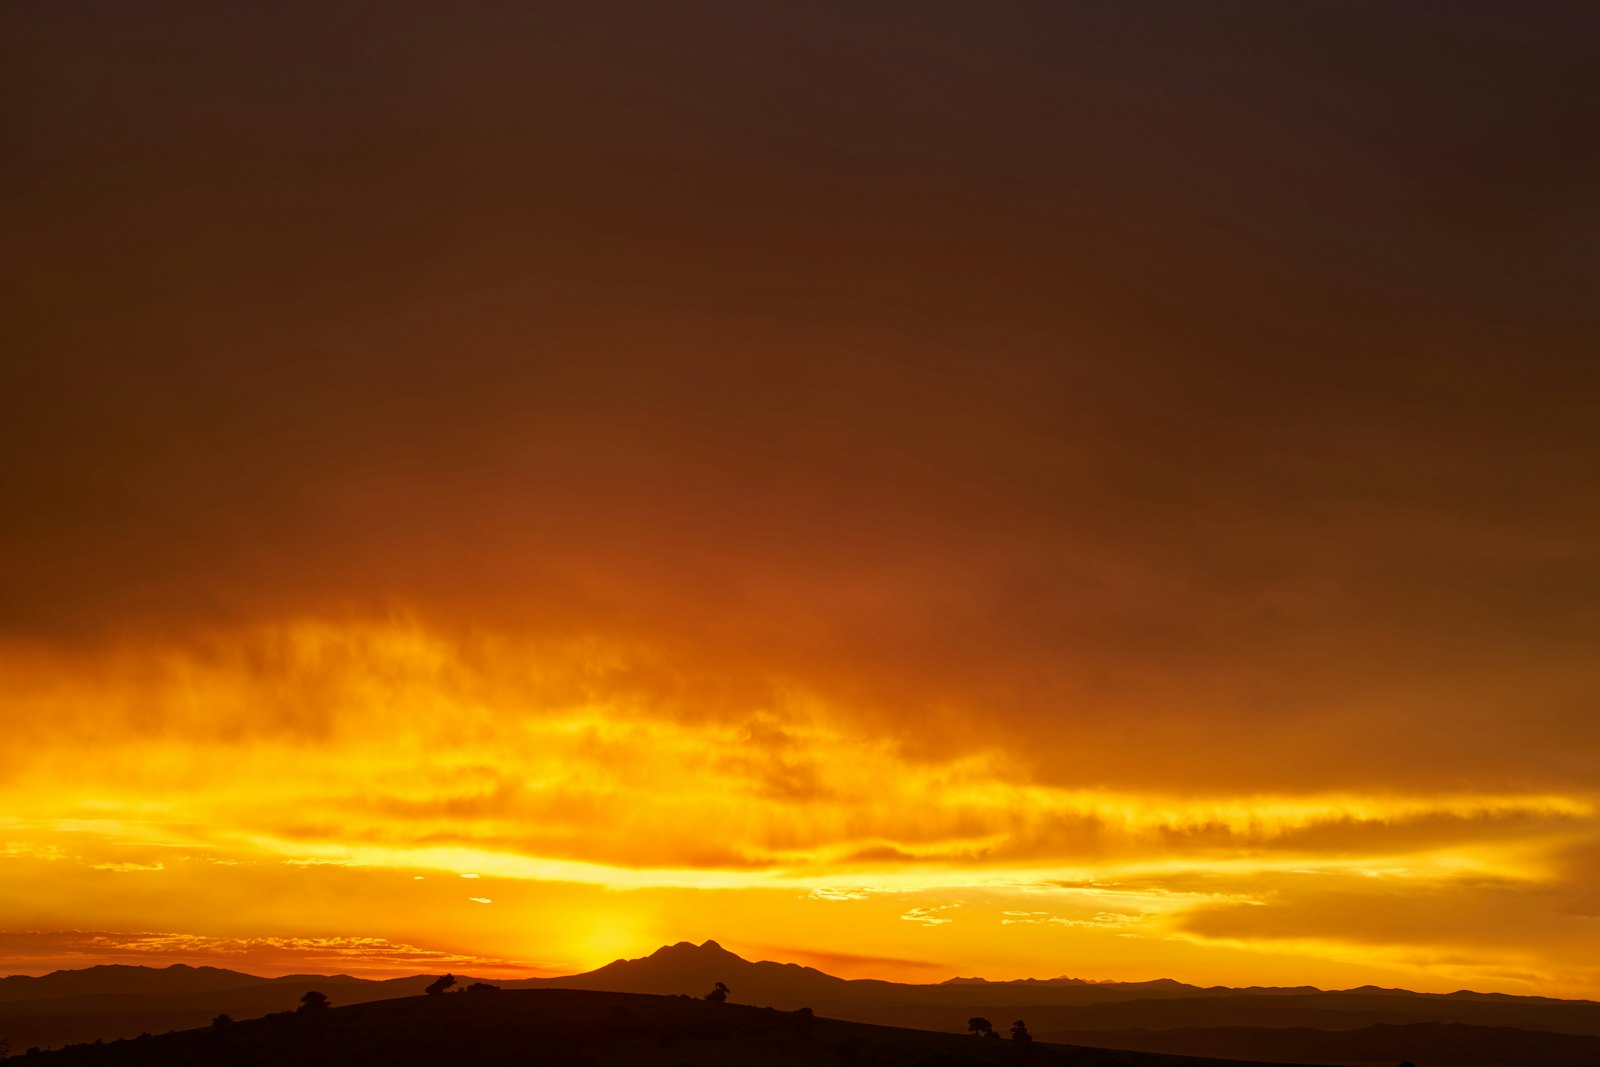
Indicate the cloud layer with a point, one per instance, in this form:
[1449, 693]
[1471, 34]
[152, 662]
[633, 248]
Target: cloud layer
[361, 753]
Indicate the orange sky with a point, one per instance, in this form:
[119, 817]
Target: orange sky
[1008, 492]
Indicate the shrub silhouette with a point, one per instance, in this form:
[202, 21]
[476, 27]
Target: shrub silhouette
[1019, 1031]
[313, 1003]
[980, 1026]
[222, 1020]
[440, 985]
[719, 994]
[481, 987]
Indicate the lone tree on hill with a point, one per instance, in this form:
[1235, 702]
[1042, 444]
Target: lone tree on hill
[440, 985]
[719, 994]
[980, 1026]
[1019, 1031]
[313, 1003]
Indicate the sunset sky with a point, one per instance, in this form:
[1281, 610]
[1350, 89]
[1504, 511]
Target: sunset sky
[918, 489]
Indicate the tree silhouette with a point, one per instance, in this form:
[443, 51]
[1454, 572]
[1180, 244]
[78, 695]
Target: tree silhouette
[719, 994]
[1019, 1031]
[222, 1020]
[440, 985]
[481, 987]
[313, 1003]
[980, 1026]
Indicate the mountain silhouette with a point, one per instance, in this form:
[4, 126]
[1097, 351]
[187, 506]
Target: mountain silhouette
[121, 978]
[689, 968]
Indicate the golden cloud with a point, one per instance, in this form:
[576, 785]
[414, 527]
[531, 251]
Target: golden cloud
[387, 746]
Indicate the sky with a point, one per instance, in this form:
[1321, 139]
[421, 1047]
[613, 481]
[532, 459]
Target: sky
[916, 489]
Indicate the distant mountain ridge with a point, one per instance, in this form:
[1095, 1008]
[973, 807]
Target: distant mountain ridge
[1155, 983]
[179, 978]
[118, 978]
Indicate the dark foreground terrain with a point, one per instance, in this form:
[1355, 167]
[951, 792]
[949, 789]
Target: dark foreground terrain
[1365, 1027]
[580, 1028]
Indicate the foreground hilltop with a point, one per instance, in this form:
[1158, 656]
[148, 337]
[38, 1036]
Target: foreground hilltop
[579, 1028]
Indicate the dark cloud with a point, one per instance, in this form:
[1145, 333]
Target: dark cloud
[1118, 385]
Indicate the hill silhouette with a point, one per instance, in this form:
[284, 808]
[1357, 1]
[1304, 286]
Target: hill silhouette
[1305, 1024]
[580, 1028]
[122, 1001]
[1444, 1044]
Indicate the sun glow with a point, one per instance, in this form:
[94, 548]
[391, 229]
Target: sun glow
[387, 760]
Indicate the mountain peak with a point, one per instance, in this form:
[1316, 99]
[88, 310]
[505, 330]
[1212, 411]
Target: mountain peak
[690, 950]
[689, 969]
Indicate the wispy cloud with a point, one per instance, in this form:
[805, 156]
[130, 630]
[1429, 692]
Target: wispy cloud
[832, 893]
[46, 949]
[930, 916]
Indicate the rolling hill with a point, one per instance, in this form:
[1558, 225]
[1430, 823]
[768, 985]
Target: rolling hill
[579, 1028]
